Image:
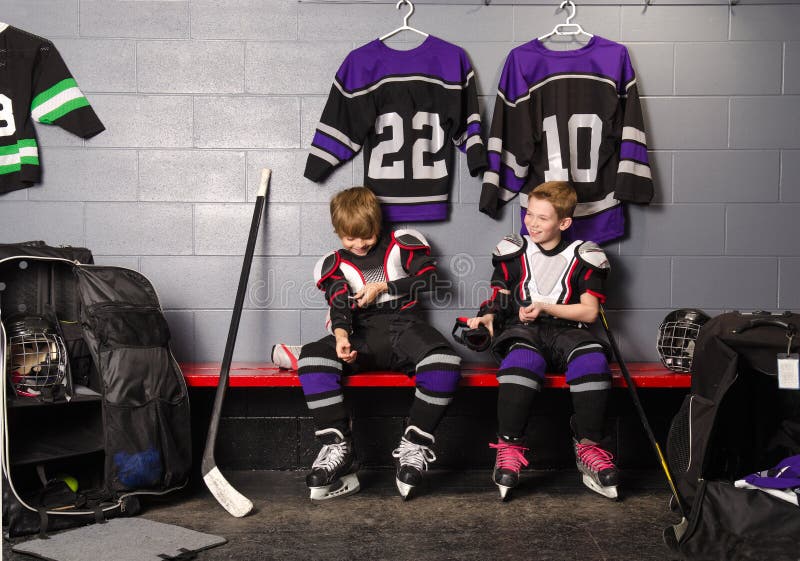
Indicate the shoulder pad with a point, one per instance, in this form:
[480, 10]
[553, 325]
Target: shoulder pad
[326, 266]
[593, 256]
[511, 246]
[410, 239]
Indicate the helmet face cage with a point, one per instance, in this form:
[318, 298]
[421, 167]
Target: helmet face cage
[676, 338]
[36, 356]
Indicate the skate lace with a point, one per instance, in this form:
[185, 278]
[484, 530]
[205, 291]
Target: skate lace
[415, 455]
[330, 456]
[510, 456]
[595, 457]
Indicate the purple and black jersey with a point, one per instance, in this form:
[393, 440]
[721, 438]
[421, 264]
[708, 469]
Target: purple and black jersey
[570, 116]
[405, 108]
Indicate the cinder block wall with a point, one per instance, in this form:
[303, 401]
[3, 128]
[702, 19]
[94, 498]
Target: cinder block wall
[198, 95]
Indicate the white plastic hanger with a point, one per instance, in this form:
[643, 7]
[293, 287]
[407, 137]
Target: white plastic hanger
[405, 26]
[559, 29]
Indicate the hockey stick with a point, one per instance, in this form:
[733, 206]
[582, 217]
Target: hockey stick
[640, 410]
[232, 500]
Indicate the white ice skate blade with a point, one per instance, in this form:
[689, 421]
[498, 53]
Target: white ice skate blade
[609, 492]
[404, 488]
[503, 491]
[346, 485]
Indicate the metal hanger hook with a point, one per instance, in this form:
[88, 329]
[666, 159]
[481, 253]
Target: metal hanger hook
[410, 10]
[572, 14]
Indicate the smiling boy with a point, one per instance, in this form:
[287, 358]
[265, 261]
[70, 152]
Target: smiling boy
[544, 292]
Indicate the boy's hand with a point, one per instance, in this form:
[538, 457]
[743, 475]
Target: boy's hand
[369, 292]
[487, 321]
[343, 349]
[530, 313]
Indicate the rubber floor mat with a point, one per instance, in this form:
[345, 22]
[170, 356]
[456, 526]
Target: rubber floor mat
[121, 539]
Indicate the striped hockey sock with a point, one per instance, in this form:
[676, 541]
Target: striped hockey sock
[437, 379]
[589, 380]
[520, 378]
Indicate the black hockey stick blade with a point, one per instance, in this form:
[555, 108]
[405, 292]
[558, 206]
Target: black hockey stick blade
[232, 500]
[640, 410]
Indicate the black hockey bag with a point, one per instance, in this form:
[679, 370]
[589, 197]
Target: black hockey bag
[733, 428]
[96, 411]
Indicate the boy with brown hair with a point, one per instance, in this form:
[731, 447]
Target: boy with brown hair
[545, 291]
[371, 286]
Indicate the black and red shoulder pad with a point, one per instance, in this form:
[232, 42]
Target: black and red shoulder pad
[510, 247]
[593, 256]
[410, 240]
[326, 267]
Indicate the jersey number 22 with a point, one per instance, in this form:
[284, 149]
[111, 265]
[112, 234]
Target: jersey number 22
[393, 144]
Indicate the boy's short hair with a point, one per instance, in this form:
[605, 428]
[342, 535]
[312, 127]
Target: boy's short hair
[356, 213]
[560, 194]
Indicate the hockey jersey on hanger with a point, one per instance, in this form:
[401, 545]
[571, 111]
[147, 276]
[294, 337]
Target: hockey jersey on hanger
[35, 85]
[406, 109]
[570, 116]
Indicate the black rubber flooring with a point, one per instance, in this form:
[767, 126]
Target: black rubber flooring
[455, 515]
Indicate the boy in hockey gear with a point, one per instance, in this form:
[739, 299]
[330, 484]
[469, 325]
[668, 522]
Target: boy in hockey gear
[544, 292]
[371, 286]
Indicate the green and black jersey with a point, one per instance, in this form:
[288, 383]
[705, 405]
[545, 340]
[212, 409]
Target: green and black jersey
[35, 85]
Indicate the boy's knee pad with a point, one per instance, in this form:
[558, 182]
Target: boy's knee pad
[318, 349]
[440, 381]
[319, 369]
[589, 367]
[522, 366]
[524, 358]
[439, 371]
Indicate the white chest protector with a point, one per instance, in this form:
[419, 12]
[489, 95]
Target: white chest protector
[545, 278]
[382, 265]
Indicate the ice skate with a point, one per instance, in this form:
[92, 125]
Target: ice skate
[598, 470]
[510, 459]
[333, 472]
[285, 356]
[413, 455]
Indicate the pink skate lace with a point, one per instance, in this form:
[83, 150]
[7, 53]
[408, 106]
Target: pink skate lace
[595, 457]
[509, 456]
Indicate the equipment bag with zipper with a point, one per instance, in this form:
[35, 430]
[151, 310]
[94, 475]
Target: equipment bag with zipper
[123, 421]
[736, 421]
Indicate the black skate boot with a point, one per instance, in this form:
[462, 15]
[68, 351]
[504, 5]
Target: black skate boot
[413, 455]
[510, 459]
[333, 472]
[598, 469]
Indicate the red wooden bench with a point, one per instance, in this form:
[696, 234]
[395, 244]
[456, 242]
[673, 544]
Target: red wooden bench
[267, 375]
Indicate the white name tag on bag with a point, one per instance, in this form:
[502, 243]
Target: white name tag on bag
[789, 371]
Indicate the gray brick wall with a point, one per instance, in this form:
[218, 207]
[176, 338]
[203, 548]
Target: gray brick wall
[199, 95]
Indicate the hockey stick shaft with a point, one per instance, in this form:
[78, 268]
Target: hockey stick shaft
[640, 410]
[234, 502]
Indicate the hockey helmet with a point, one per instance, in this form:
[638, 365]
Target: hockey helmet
[676, 337]
[37, 356]
[477, 339]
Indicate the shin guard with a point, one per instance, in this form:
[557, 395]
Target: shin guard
[520, 378]
[437, 379]
[589, 380]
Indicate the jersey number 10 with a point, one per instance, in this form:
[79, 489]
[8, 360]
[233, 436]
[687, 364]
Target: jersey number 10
[392, 145]
[556, 170]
